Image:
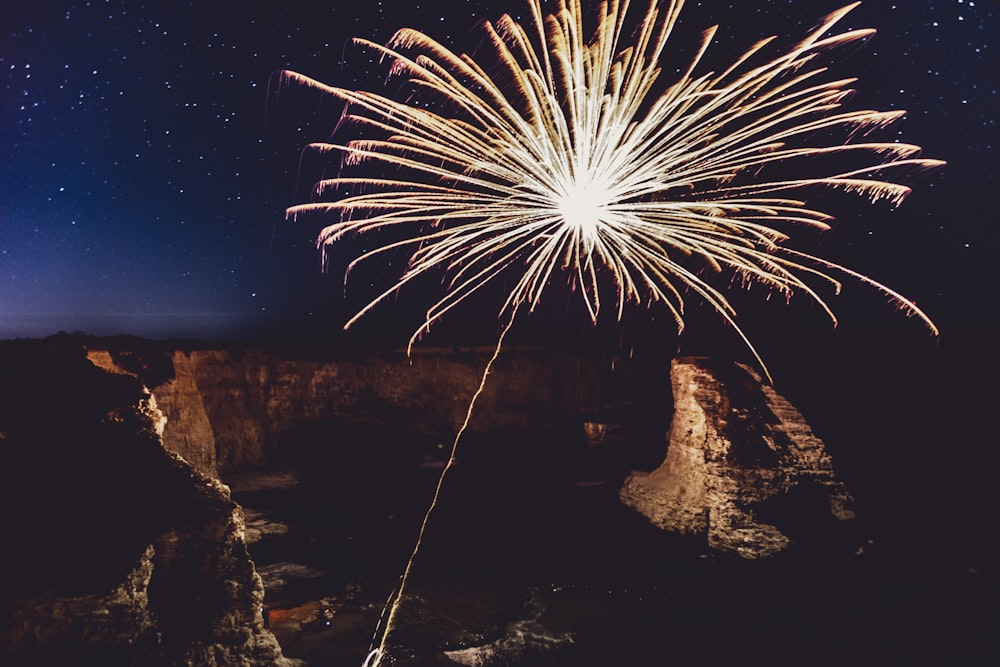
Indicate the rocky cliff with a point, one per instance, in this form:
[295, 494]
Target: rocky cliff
[736, 450]
[229, 409]
[132, 552]
[116, 551]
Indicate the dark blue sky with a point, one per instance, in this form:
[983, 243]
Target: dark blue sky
[146, 167]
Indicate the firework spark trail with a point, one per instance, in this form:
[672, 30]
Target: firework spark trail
[375, 654]
[560, 155]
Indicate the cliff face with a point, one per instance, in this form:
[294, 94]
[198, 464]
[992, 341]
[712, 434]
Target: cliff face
[117, 552]
[188, 430]
[738, 454]
[734, 447]
[131, 552]
[229, 410]
[206, 595]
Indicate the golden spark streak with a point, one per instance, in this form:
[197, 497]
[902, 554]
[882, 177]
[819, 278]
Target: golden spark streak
[558, 154]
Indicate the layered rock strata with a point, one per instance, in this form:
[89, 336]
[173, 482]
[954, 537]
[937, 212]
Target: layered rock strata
[735, 447]
[228, 410]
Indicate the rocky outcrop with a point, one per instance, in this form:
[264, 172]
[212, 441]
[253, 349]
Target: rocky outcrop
[52, 629]
[116, 551]
[734, 448]
[206, 595]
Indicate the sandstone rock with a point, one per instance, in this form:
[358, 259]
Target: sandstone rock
[205, 593]
[228, 410]
[188, 431]
[109, 627]
[733, 445]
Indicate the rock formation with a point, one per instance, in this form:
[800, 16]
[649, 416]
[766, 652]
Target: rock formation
[116, 551]
[228, 409]
[132, 552]
[734, 445]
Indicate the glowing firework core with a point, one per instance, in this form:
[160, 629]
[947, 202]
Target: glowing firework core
[584, 206]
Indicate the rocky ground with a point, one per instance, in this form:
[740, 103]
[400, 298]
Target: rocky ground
[733, 544]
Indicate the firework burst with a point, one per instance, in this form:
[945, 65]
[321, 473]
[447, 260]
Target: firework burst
[559, 155]
[565, 156]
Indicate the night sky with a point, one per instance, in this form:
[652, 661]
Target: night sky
[147, 162]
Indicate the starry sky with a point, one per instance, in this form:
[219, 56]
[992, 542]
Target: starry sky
[148, 159]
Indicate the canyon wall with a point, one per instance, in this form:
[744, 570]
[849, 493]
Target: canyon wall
[739, 460]
[228, 409]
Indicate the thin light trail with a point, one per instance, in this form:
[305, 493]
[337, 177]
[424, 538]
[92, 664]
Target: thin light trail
[374, 658]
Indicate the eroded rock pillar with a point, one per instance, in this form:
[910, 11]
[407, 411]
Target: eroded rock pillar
[733, 445]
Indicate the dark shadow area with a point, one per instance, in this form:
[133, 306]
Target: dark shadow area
[117, 553]
[85, 486]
